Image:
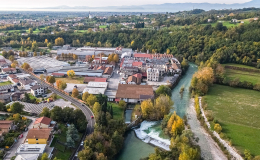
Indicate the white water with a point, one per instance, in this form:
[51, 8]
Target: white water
[153, 136]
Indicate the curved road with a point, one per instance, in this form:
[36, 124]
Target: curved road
[85, 109]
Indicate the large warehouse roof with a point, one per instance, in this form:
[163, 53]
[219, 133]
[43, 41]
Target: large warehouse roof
[39, 62]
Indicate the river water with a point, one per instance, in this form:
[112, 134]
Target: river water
[135, 148]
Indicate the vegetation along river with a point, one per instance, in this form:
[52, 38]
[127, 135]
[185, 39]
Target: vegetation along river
[134, 148]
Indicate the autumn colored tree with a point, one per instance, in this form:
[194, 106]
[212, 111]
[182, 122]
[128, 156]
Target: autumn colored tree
[175, 125]
[49, 45]
[13, 65]
[116, 58]
[75, 56]
[59, 41]
[42, 77]
[11, 58]
[71, 73]
[217, 128]
[85, 96]
[91, 100]
[147, 108]
[96, 108]
[75, 93]
[122, 104]
[30, 30]
[26, 66]
[51, 79]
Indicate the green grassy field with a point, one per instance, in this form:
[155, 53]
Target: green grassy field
[102, 26]
[228, 24]
[231, 74]
[118, 112]
[238, 112]
[76, 80]
[5, 83]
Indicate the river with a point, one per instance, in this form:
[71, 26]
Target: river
[134, 148]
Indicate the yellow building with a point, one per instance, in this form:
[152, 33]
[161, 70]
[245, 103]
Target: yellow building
[39, 136]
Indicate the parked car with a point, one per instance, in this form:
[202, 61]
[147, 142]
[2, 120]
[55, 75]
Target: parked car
[82, 143]
[92, 117]
[21, 136]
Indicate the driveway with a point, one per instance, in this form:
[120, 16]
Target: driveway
[12, 150]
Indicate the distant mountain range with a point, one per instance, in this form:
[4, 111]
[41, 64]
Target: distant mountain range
[167, 7]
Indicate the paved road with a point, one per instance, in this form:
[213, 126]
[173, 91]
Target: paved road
[88, 113]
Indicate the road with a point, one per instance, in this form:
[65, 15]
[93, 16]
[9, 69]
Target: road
[85, 109]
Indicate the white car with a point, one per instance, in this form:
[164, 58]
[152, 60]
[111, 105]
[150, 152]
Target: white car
[82, 143]
[76, 155]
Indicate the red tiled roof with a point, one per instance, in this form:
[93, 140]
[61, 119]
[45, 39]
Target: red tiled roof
[139, 55]
[43, 120]
[15, 80]
[100, 79]
[38, 133]
[94, 79]
[136, 64]
[58, 74]
[108, 70]
[8, 69]
[12, 76]
[122, 62]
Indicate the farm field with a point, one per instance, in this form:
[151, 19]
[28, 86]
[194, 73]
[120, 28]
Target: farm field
[227, 23]
[5, 83]
[231, 74]
[75, 80]
[102, 26]
[238, 112]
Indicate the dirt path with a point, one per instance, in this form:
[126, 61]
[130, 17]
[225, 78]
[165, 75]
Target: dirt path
[209, 148]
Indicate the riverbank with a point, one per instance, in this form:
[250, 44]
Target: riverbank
[209, 148]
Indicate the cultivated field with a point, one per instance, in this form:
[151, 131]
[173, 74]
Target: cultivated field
[238, 111]
[231, 74]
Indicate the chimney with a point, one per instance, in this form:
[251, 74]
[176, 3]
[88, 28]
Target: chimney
[100, 61]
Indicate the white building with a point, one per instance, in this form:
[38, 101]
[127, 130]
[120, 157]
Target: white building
[30, 149]
[153, 74]
[96, 87]
[27, 83]
[38, 90]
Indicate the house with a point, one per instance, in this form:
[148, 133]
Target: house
[30, 151]
[44, 122]
[108, 71]
[27, 83]
[94, 79]
[13, 78]
[5, 98]
[5, 126]
[234, 20]
[134, 93]
[132, 80]
[142, 56]
[4, 64]
[6, 88]
[39, 136]
[9, 70]
[58, 74]
[138, 78]
[38, 90]
[16, 96]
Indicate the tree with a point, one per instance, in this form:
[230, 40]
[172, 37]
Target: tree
[34, 54]
[75, 93]
[96, 108]
[42, 77]
[75, 56]
[86, 154]
[85, 96]
[147, 108]
[175, 125]
[101, 156]
[11, 58]
[122, 104]
[71, 73]
[70, 142]
[91, 100]
[72, 132]
[44, 156]
[51, 79]
[59, 41]
[54, 96]
[17, 107]
[46, 112]
[2, 107]
[56, 114]
[13, 65]
[16, 117]
[247, 154]
[49, 45]
[30, 30]
[34, 46]
[26, 66]
[116, 58]
[164, 90]
[217, 128]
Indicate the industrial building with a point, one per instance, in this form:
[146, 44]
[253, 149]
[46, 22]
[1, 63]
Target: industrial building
[43, 63]
[82, 71]
[96, 87]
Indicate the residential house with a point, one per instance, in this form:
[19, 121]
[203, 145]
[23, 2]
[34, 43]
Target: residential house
[39, 136]
[5, 98]
[9, 70]
[44, 122]
[58, 74]
[6, 88]
[38, 90]
[26, 83]
[5, 126]
[13, 78]
[134, 93]
[132, 80]
[16, 96]
[108, 71]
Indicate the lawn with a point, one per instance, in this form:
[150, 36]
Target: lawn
[231, 74]
[102, 26]
[118, 112]
[227, 23]
[62, 138]
[238, 111]
[76, 80]
[5, 83]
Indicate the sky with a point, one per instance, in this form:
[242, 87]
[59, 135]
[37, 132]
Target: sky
[99, 3]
